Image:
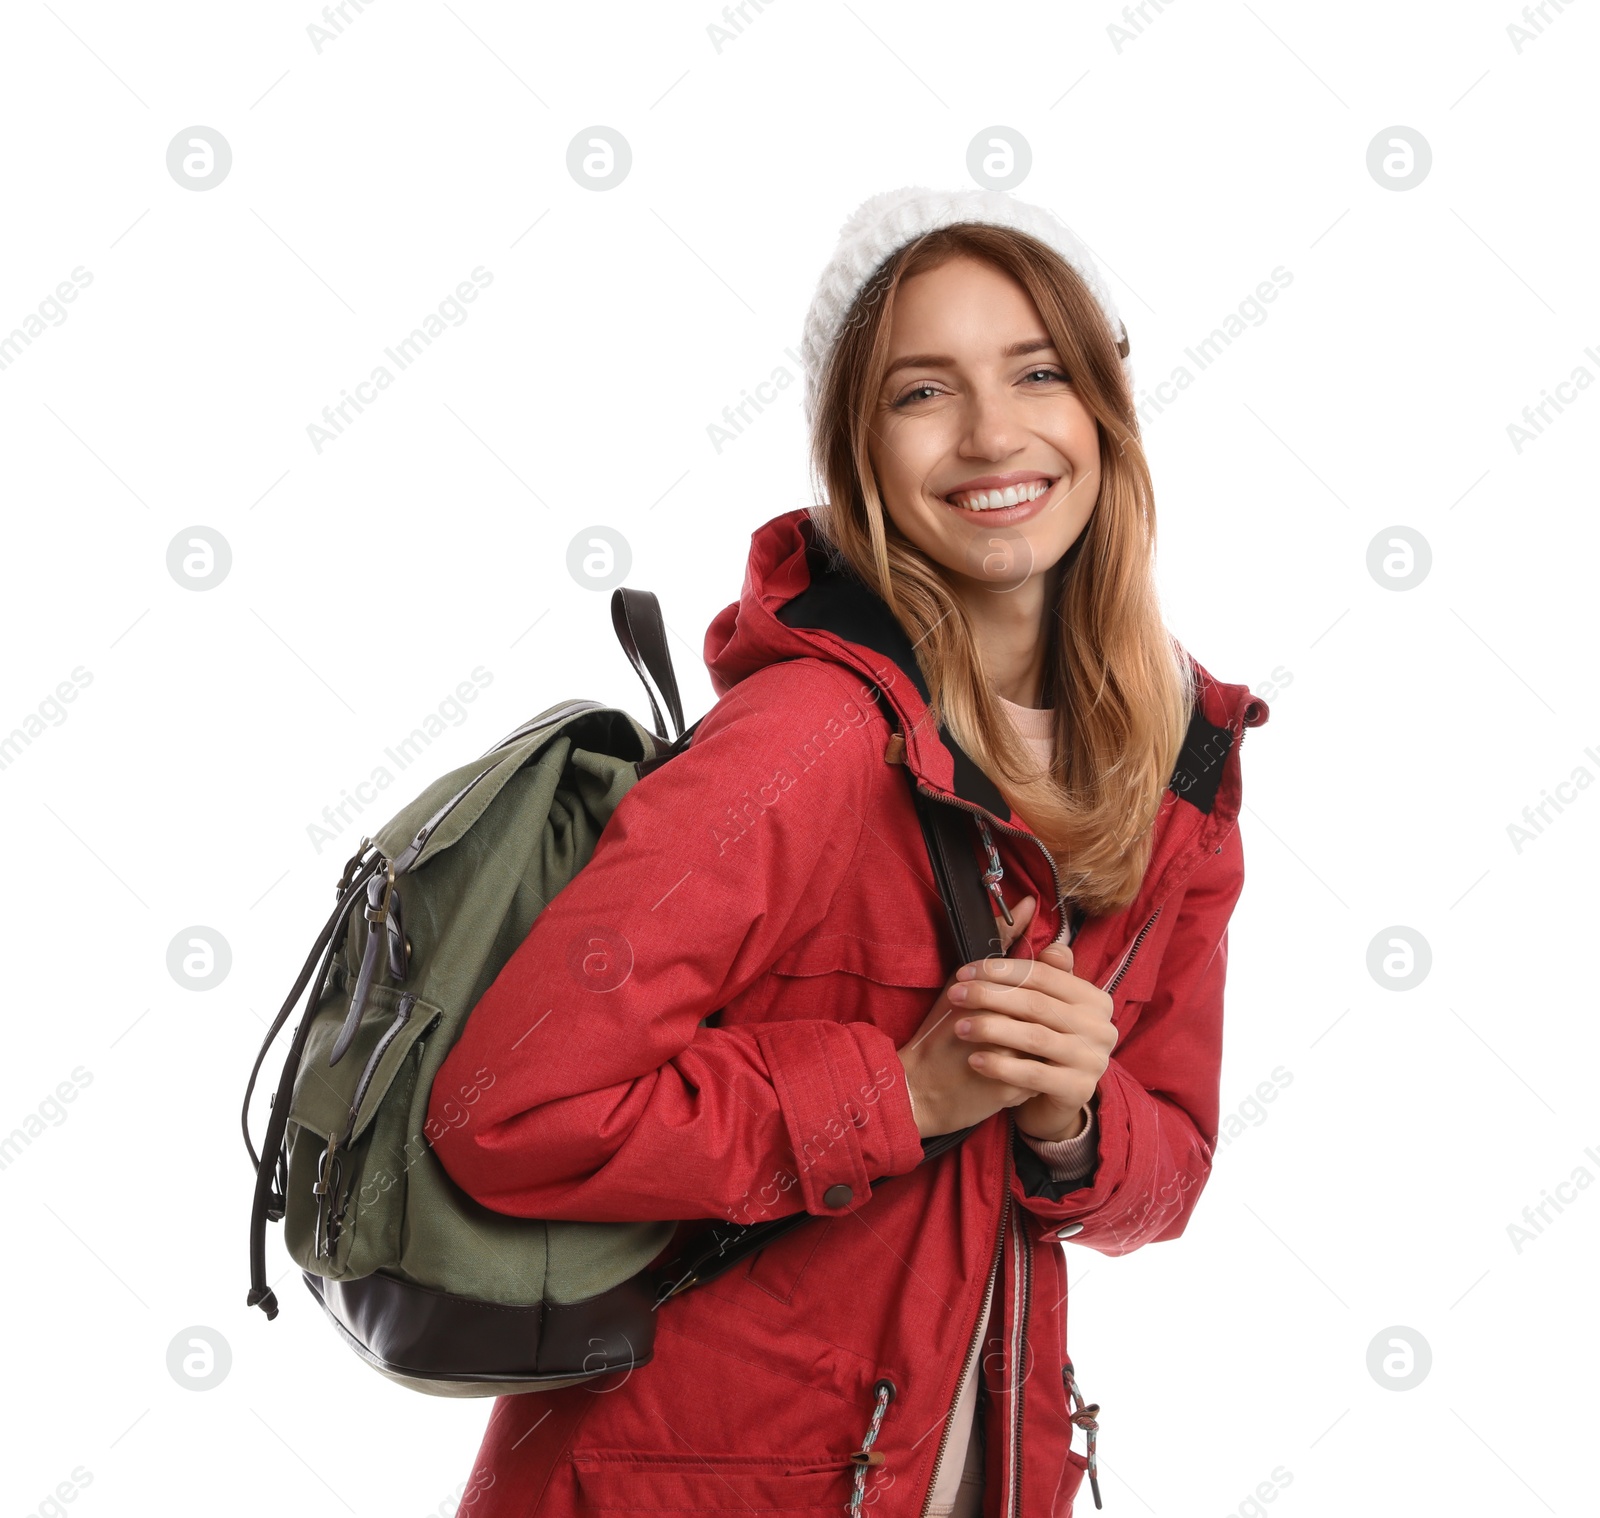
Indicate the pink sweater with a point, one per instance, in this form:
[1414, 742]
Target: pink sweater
[958, 1481]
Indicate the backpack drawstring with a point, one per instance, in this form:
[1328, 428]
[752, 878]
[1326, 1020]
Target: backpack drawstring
[1085, 1417]
[883, 1390]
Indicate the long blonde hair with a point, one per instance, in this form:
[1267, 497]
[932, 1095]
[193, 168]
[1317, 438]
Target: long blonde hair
[1120, 685]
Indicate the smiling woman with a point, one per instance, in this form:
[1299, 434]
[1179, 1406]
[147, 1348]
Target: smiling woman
[971, 608]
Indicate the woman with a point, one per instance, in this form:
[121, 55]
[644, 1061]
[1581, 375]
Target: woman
[972, 611]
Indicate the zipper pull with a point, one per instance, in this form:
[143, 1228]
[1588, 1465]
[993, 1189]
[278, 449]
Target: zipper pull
[1086, 1418]
[995, 873]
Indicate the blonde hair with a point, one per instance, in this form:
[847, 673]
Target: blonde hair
[1120, 684]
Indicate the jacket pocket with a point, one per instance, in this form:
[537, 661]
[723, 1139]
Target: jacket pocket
[906, 962]
[625, 1481]
[777, 1268]
[889, 983]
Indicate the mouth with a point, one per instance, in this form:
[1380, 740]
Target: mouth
[1000, 497]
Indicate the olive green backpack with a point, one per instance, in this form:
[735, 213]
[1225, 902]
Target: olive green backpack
[431, 1288]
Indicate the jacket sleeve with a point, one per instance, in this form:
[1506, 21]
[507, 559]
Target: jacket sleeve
[1158, 1100]
[585, 1086]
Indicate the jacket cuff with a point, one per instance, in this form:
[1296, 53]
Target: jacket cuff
[1082, 1194]
[842, 1093]
[1067, 1159]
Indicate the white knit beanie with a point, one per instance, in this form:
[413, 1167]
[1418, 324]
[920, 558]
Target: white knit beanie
[888, 221]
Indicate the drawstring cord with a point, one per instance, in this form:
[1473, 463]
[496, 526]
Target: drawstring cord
[995, 873]
[1085, 1417]
[883, 1391]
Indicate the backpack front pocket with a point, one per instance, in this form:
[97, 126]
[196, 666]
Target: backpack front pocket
[348, 1146]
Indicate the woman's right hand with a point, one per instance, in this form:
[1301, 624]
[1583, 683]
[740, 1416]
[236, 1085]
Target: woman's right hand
[946, 1092]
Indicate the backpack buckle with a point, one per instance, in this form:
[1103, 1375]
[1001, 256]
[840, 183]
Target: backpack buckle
[379, 911]
[329, 1173]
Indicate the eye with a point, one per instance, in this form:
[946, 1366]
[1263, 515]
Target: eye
[1049, 371]
[912, 394]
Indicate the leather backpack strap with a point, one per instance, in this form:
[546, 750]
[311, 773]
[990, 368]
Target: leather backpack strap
[642, 632]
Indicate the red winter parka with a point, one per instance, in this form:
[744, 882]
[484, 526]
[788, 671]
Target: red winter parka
[768, 896]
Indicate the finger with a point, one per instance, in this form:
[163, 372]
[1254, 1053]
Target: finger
[1058, 954]
[1021, 916]
[1045, 974]
[1036, 1000]
[1030, 1074]
[1032, 1040]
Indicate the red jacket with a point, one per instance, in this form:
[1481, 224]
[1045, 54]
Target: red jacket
[725, 985]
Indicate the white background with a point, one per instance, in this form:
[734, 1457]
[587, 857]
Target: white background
[1409, 728]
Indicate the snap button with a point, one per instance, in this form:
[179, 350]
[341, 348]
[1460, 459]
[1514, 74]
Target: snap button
[837, 1196]
[1069, 1231]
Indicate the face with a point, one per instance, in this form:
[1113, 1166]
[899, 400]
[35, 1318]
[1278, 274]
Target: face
[984, 456]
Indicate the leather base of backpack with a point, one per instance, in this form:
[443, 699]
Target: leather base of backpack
[454, 1346]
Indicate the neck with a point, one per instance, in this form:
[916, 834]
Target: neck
[1009, 628]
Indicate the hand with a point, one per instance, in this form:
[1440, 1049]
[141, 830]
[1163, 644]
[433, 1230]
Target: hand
[1018, 1027]
[1039, 1028]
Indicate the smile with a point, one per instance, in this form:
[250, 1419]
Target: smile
[996, 500]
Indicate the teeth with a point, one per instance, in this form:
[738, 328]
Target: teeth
[993, 500]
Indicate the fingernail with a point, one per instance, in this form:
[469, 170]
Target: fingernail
[966, 972]
[964, 1026]
[958, 993]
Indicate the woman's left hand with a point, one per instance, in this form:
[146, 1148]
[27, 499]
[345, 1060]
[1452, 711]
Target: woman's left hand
[1040, 1027]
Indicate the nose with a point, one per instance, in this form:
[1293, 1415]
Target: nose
[991, 429]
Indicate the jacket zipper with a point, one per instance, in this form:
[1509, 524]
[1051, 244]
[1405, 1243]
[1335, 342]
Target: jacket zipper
[985, 815]
[1019, 1358]
[972, 1346]
[1133, 948]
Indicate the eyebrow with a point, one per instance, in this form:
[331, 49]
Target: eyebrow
[943, 361]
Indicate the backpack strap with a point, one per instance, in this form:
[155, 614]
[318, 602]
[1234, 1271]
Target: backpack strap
[269, 1167]
[642, 632]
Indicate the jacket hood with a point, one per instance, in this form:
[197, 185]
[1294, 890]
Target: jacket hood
[798, 601]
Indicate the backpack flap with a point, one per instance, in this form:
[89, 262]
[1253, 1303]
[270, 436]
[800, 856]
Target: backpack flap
[446, 811]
